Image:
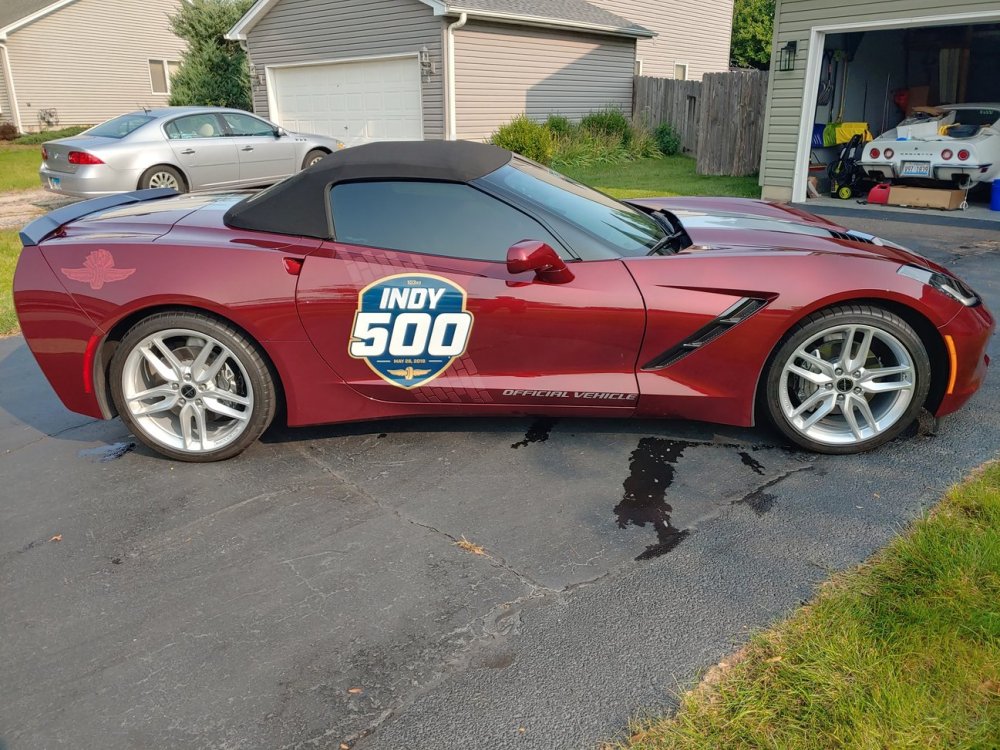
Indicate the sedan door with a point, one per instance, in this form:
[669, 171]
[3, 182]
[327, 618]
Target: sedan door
[203, 150]
[264, 156]
[414, 303]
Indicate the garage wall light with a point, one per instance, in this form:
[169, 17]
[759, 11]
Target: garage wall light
[426, 66]
[786, 56]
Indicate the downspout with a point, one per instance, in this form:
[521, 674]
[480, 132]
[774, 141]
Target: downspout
[451, 129]
[8, 76]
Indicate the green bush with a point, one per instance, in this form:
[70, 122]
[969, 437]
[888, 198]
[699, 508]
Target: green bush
[559, 125]
[526, 137]
[667, 139]
[608, 122]
[32, 139]
[7, 131]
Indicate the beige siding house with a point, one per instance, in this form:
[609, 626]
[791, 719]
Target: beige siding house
[894, 37]
[364, 70]
[79, 62]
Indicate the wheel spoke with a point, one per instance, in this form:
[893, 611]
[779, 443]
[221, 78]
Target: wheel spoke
[866, 412]
[160, 406]
[157, 392]
[817, 378]
[859, 359]
[894, 385]
[884, 372]
[186, 417]
[213, 404]
[213, 369]
[809, 403]
[199, 362]
[814, 360]
[169, 355]
[230, 396]
[850, 417]
[163, 370]
[825, 408]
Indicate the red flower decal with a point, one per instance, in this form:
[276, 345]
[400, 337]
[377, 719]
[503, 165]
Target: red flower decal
[98, 270]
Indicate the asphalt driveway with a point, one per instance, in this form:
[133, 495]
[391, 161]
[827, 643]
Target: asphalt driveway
[311, 592]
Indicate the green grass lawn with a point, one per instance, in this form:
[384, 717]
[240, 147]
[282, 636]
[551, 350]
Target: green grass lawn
[671, 175]
[10, 248]
[19, 167]
[903, 652]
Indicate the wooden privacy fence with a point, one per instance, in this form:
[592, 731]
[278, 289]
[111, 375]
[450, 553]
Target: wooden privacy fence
[720, 120]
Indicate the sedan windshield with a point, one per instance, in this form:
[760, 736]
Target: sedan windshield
[119, 127]
[589, 220]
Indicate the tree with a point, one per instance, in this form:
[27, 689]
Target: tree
[213, 70]
[753, 26]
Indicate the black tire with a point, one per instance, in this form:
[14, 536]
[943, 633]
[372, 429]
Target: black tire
[314, 156]
[808, 329]
[154, 176]
[249, 356]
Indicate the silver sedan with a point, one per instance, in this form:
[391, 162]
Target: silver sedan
[184, 148]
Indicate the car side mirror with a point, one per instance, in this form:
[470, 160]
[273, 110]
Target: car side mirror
[279, 132]
[533, 255]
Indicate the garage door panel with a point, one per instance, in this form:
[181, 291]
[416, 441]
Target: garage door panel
[356, 101]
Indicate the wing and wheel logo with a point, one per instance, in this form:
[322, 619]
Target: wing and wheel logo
[409, 328]
[98, 269]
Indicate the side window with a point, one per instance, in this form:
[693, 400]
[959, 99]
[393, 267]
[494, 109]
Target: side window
[194, 126]
[246, 125]
[434, 218]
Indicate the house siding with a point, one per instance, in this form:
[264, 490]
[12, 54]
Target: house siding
[794, 21]
[688, 31]
[89, 60]
[302, 31]
[502, 70]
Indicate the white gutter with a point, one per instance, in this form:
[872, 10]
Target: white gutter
[8, 76]
[451, 131]
[554, 23]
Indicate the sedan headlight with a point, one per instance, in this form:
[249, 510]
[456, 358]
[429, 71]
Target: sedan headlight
[954, 288]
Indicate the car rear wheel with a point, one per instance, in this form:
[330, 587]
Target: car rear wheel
[163, 176]
[191, 387]
[847, 380]
[312, 157]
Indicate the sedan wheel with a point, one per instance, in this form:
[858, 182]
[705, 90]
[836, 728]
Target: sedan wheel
[848, 380]
[163, 177]
[191, 387]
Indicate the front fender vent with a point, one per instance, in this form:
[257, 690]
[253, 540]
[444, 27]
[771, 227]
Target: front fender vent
[735, 315]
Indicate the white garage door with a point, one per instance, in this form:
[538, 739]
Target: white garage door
[357, 102]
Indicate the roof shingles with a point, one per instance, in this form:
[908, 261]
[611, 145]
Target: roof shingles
[15, 10]
[558, 11]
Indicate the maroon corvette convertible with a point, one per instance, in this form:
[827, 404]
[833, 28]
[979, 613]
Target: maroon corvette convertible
[436, 278]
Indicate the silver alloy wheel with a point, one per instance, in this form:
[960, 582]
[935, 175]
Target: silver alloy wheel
[164, 179]
[847, 384]
[187, 391]
[318, 157]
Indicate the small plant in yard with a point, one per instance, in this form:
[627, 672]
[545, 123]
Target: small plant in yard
[34, 139]
[559, 125]
[7, 131]
[526, 137]
[608, 122]
[667, 139]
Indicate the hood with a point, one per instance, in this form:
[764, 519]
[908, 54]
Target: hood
[758, 227]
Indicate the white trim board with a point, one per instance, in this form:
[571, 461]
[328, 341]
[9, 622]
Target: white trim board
[817, 43]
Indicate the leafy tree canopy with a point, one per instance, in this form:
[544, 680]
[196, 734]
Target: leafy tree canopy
[213, 70]
[753, 25]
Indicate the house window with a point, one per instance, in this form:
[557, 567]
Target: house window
[681, 71]
[160, 73]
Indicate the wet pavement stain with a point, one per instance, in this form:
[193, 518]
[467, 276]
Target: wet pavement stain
[651, 472]
[537, 433]
[760, 502]
[106, 453]
[752, 462]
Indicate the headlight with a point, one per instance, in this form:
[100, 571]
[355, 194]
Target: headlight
[945, 284]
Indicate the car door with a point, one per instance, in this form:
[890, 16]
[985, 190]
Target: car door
[264, 157]
[203, 150]
[414, 302]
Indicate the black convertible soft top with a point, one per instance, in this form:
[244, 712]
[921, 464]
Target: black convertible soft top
[298, 205]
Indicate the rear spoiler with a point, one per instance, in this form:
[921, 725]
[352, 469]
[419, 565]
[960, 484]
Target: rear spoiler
[44, 226]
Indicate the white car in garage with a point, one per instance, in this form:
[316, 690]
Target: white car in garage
[958, 144]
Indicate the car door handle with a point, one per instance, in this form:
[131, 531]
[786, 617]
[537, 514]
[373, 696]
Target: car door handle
[188, 151]
[247, 148]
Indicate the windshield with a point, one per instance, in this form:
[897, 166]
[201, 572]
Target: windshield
[589, 220]
[119, 127]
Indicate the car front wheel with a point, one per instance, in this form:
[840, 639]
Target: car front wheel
[847, 380]
[192, 387]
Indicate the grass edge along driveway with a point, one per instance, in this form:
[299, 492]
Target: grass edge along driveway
[902, 652]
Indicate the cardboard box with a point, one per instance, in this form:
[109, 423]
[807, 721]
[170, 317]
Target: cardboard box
[946, 200]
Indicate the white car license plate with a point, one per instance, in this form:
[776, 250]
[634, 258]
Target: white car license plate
[916, 169]
[53, 182]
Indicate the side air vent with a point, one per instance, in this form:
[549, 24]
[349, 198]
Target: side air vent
[855, 236]
[735, 315]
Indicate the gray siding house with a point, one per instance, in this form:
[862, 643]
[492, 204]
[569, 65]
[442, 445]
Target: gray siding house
[938, 53]
[79, 62]
[410, 69]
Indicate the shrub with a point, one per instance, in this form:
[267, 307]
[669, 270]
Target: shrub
[7, 131]
[526, 137]
[33, 139]
[558, 125]
[667, 139]
[608, 122]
